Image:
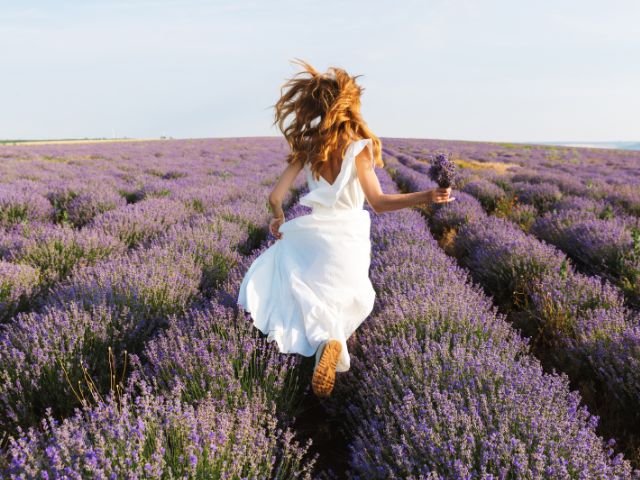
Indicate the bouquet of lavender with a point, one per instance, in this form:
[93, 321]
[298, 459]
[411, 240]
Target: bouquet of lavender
[442, 170]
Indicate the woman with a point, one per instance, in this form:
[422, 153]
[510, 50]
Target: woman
[310, 290]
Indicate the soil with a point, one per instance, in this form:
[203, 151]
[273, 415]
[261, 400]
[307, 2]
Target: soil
[329, 440]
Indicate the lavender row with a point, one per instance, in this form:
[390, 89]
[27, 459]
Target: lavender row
[592, 173]
[598, 239]
[581, 312]
[597, 236]
[609, 248]
[441, 387]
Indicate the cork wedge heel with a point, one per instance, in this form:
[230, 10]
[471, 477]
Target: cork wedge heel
[325, 373]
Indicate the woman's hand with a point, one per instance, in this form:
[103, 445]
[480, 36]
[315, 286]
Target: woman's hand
[440, 195]
[274, 226]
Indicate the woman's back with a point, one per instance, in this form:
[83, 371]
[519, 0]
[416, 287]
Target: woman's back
[334, 162]
[345, 192]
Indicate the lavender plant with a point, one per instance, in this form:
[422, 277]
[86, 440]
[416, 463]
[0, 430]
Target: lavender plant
[213, 352]
[61, 194]
[628, 199]
[599, 336]
[214, 244]
[562, 297]
[502, 259]
[148, 284]
[17, 207]
[601, 247]
[601, 209]
[17, 284]
[88, 205]
[453, 215]
[55, 250]
[542, 196]
[523, 215]
[611, 346]
[43, 357]
[488, 194]
[140, 222]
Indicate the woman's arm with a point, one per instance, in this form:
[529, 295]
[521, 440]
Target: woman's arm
[277, 194]
[282, 186]
[381, 202]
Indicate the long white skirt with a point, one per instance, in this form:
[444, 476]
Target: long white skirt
[313, 284]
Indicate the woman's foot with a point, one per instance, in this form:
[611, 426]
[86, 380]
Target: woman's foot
[324, 375]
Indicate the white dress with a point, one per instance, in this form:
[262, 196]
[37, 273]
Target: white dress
[313, 284]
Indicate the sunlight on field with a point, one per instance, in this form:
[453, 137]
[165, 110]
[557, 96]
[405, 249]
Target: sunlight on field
[495, 166]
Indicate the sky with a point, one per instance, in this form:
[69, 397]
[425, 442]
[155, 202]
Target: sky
[490, 70]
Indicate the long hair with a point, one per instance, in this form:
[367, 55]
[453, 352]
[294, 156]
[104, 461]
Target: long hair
[325, 107]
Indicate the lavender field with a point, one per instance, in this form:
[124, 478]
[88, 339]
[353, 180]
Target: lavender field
[504, 342]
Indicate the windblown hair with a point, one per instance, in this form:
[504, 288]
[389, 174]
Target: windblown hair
[326, 109]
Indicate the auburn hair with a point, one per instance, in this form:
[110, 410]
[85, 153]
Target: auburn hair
[334, 99]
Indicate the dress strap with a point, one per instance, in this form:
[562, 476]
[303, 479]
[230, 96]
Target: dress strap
[359, 146]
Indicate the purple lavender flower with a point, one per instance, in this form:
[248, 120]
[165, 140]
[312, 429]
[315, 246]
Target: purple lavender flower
[56, 249]
[600, 247]
[453, 215]
[215, 353]
[141, 221]
[542, 196]
[627, 198]
[488, 194]
[156, 435]
[502, 258]
[17, 206]
[442, 170]
[149, 284]
[214, 243]
[86, 206]
[35, 347]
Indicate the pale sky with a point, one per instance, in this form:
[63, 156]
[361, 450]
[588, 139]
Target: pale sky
[490, 70]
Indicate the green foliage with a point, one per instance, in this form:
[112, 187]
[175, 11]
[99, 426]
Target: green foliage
[564, 269]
